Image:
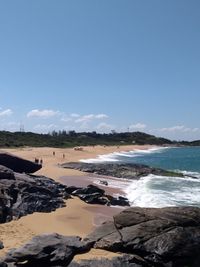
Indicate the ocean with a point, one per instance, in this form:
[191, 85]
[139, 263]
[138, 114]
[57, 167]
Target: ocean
[160, 191]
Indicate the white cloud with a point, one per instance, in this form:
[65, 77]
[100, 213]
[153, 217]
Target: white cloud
[90, 117]
[101, 116]
[103, 126]
[74, 115]
[178, 128]
[45, 113]
[173, 128]
[138, 126]
[6, 112]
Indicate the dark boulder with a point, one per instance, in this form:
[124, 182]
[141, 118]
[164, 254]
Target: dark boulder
[120, 261]
[6, 173]
[95, 195]
[90, 189]
[18, 164]
[95, 198]
[26, 194]
[163, 237]
[47, 250]
[70, 189]
[120, 201]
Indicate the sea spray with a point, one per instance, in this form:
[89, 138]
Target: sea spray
[161, 191]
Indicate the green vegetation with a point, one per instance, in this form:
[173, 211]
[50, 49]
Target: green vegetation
[71, 139]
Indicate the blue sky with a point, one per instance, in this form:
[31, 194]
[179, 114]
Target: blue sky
[90, 65]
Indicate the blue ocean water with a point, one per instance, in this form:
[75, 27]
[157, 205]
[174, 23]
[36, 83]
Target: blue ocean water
[161, 191]
[181, 158]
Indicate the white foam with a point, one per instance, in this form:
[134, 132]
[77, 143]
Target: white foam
[114, 182]
[115, 156]
[160, 191]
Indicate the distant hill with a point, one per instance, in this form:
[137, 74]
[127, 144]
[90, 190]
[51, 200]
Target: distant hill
[71, 139]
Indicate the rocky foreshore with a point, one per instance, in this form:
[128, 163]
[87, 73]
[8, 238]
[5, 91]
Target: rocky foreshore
[22, 194]
[141, 237]
[118, 170]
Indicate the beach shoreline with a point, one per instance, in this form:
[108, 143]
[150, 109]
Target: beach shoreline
[65, 220]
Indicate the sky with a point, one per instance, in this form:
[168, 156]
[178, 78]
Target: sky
[101, 65]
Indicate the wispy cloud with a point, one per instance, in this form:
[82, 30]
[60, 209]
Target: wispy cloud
[137, 126]
[6, 112]
[90, 117]
[45, 113]
[178, 128]
[74, 115]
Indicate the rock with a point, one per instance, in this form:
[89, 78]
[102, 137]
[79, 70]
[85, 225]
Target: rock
[1, 245]
[6, 173]
[18, 164]
[90, 189]
[47, 250]
[121, 261]
[103, 182]
[94, 195]
[128, 171]
[163, 237]
[26, 194]
[70, 189]
[120, 201]
[95, 198]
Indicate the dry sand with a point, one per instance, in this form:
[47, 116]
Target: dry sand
[77, 218]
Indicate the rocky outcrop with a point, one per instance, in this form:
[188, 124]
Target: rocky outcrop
[120, 261]
[162, 237]
[128, 171]
[18, 164]
[141, 237]
[22, 194]
[95, 195]
[47, 250]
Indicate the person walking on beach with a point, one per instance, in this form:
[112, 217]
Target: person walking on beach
[63, 156]
[54, 153]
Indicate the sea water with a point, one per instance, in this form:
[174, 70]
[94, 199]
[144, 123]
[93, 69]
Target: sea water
[161, 191]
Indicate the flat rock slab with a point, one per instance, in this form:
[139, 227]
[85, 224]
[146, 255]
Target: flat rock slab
[118, 170]
[164, 236]
[18, 164]
[47, 250]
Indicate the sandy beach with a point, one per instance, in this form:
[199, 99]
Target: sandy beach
[77, 218]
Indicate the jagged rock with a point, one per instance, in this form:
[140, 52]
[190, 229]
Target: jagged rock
[26, 194]
[121, 261]
[47, 250]
[128, 171]
[120, 201]
[70, 189]
[90, 189]
[163, 237]
[18, 164]
[94, 195]
[6, 173]
[95, 198]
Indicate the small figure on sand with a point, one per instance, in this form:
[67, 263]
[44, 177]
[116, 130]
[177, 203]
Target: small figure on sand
[36, 161]
[54, 153]
[63, 156]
